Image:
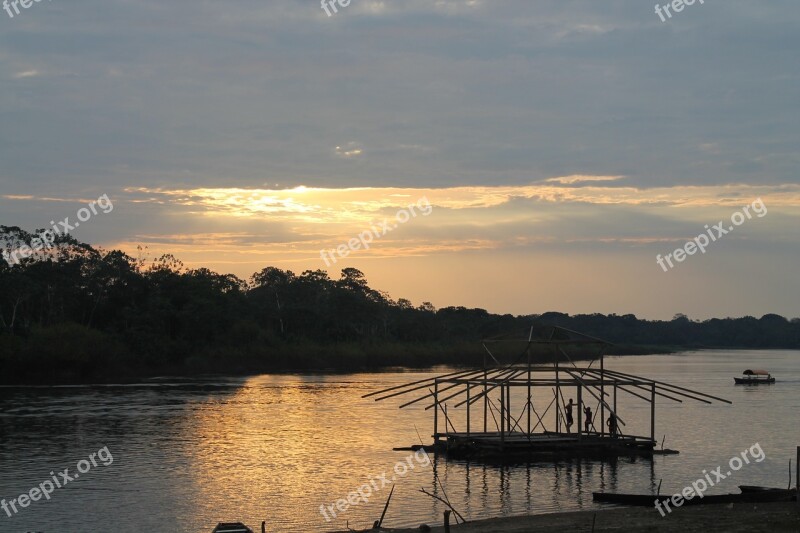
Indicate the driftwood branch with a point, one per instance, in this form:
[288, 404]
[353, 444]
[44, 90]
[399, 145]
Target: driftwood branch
[444, 502]
[383, 514]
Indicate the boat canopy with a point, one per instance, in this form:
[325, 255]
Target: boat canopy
[749, 372]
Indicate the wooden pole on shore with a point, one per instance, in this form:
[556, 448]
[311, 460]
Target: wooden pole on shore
[797, 478]
[383, 514]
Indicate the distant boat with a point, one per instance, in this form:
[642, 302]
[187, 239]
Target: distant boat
[754, 377]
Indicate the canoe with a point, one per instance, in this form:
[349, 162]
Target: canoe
[231, 527]
[647, 500]
[756, 488]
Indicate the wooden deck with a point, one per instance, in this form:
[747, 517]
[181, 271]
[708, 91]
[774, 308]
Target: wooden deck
[540, 445]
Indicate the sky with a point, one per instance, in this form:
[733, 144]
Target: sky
[552, 150]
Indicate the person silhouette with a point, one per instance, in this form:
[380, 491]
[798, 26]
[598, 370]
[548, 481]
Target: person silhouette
[612, 425]
[588, 423]
[568, 410]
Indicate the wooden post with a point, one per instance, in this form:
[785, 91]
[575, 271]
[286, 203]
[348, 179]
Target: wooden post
[653, 413]
[602, 396]
[485, 396]
[617, 432]
[508, 407]
[468, 385]
[558, 413]
[558, 400]
[580, 411]
[502, 417]
[436, 411]
[797, 477]
[529, 406]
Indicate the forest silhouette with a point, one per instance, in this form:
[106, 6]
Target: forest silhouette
[77, 313]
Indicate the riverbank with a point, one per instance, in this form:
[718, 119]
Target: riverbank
[70, 354]
[740, 518]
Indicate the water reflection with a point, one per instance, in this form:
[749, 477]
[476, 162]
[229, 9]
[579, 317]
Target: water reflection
[194, 452]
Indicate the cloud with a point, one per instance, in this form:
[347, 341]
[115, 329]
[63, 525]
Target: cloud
[265, 130]
[25, 74]
[315, 204]
[575, 180]
[350, 149]
[487, 92]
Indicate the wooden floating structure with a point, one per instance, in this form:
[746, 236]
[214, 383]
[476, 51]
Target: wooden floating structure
[493, 430]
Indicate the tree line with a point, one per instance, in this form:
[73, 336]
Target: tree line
[75, 312]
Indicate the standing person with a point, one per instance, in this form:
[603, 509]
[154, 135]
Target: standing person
[568, 410]
[612, 425]
[588, 423]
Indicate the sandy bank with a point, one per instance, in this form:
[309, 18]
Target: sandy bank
[766, 517]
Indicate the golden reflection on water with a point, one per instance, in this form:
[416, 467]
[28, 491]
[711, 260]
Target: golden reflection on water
[272, 441]
[191, 453]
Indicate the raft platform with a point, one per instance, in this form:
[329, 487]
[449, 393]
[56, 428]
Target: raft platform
[539, 359]
[540, 446]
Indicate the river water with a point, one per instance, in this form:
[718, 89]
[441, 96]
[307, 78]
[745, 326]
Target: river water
[183, 455]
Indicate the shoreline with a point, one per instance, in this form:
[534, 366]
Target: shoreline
[735, 518]
[447, 358]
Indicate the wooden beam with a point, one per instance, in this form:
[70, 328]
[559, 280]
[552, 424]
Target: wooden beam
[663, 384]
[427, 380]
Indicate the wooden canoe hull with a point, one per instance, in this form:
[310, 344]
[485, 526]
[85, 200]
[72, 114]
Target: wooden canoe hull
[647, 500]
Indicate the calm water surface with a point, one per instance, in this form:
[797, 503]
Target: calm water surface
[188, 454]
